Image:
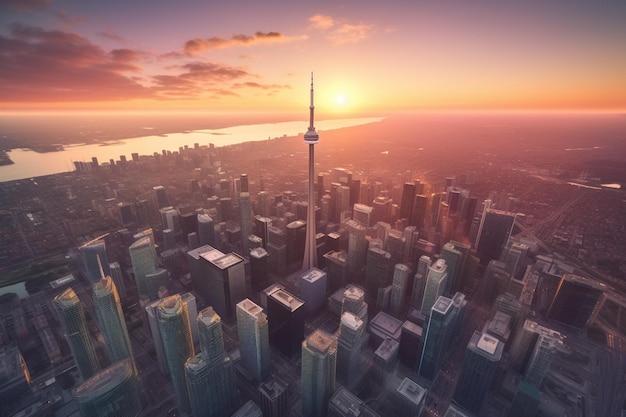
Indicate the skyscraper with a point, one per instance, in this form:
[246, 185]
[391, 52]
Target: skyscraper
[319, 361]
[74, 326]
[494, 231]
[398, 288]
[206, 230]
[111, 320]
[438, 333]
[541, 358]
[576, 300]
[409, 398]
[479, 366]
[259, 269]
[112, 392]
[143, 257]
[377, 269]
[357, 249]
[286, 314]
[311, 138]
[245, 211]
[407, 200]
[435, 285]
[210, 374]
[92, 251]
[349, 347]
[254, 343]
[177, 344]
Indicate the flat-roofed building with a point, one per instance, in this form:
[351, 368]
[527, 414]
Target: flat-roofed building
[286, 314]
[409, 398]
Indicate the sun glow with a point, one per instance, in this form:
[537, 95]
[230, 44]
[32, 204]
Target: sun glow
[340, 100]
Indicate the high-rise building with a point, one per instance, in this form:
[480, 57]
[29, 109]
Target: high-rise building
[526, 401]
[494, 231]
[152, 318]
[143, 257]
[296, 234]
[313, 289]
[286, 314]
[74, 325]
[351, 339]
[454, 262]
[210, 374]
[362, 214]
[354, 301]
[319, 361]
[419, 281]
[160, 196]
[438, 334]
[541, 358]
[311, 138]
[357, 248]
[336, 269]
[111, 392]
[259, 269]
[111, 320]
[94, 258]
[245, 211]
[155, 281]
[206, 230]
[435, 285]
[479, 367]
[118, 279]
[410, 350]
[576, 300]
[409, 399]
[177, 345]
[343, 403]
[254, 343]
[454, 411]
[395, 245]
[377, 269]
[261, 224]
[418, 216]
[407, 200]
[398, 288]
[274, 398]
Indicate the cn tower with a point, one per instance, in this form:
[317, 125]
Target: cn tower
[310, 247]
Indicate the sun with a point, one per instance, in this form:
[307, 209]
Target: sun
[340, 100]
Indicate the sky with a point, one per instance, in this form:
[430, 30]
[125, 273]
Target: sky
[367, 56]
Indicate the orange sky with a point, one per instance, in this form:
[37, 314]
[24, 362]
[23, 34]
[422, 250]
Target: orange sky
[368, 57]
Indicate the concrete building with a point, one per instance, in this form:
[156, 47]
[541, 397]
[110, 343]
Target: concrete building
[319, 361]
[254, 343]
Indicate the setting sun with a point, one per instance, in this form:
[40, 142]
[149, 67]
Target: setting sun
[340, 100]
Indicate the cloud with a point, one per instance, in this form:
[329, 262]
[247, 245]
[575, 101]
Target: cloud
[320, 21]
[68, 20]
[251, 84]
[49, 65]
[110, 35]
[340, 31]
[196, 46]
[25, 5]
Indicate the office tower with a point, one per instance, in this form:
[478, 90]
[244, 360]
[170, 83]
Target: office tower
[418, 216]
[296, 235]
[192, 240]
[458, 312]
[177, 345]
[259, 269]
[313, 289]
[260, 228]
[343, 403]
[225, 209]
[351, 339]
[94, 255]
[382, 231]
[495, 280]
[152, 317]
[254, 242]
[111, 320]
[525, 341]
[111, 392]
[438, 335]
[210, 374]
[541, 358]
[454, 262]
[118, 278]
[337, 269]
[143, 258]
[74, 324]
[342, 202]
[170, 219]
[395, 244]
[357, 248]
[381, 209]
[206, 230]
[409, 399]
[362, 214]
[479, 366]
[354, 302]
[277, 249]
[286, 314]
[274, 396]
[398, 288]
[410, 350]
[385, 360]
[410, 234]
[494, 231]
[526, 401]
[189, 300]
[435, 285]
[419, 281]
[245, 210]
[188, 223]
[169, 239]
[244, 183]
[407, 200]
[319, 361]
[156, 280]
[160, 196]
[218, 278]
[454, 411]
[383, 298]
[383, 326]
[514, 256]
[254, 343]
[249, 409]
[377, 269]
[311, 138]
[576, 300]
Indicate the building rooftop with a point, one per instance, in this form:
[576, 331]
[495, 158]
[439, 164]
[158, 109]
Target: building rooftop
[258, 252]
[442, 305]
[413, 328]
[249, 307]
[62, 281]
[351, 321]
[208, 316]
[386, 325]
[312, 275]
[353, 292]
[321, 342]
[439, 265]
[387, 349]
[227, 261]
[411, 390]
[286, 299]
[101, 381]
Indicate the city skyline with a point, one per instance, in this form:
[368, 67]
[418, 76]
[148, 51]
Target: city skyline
[369, 58]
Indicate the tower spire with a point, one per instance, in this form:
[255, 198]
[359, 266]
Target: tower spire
[311, 135]
[310, 247]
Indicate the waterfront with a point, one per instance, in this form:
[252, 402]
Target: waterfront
[28, 163]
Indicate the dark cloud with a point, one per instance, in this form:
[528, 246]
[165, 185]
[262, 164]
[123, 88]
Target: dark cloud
[199, 79]
[49, 65]
[196, 46]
